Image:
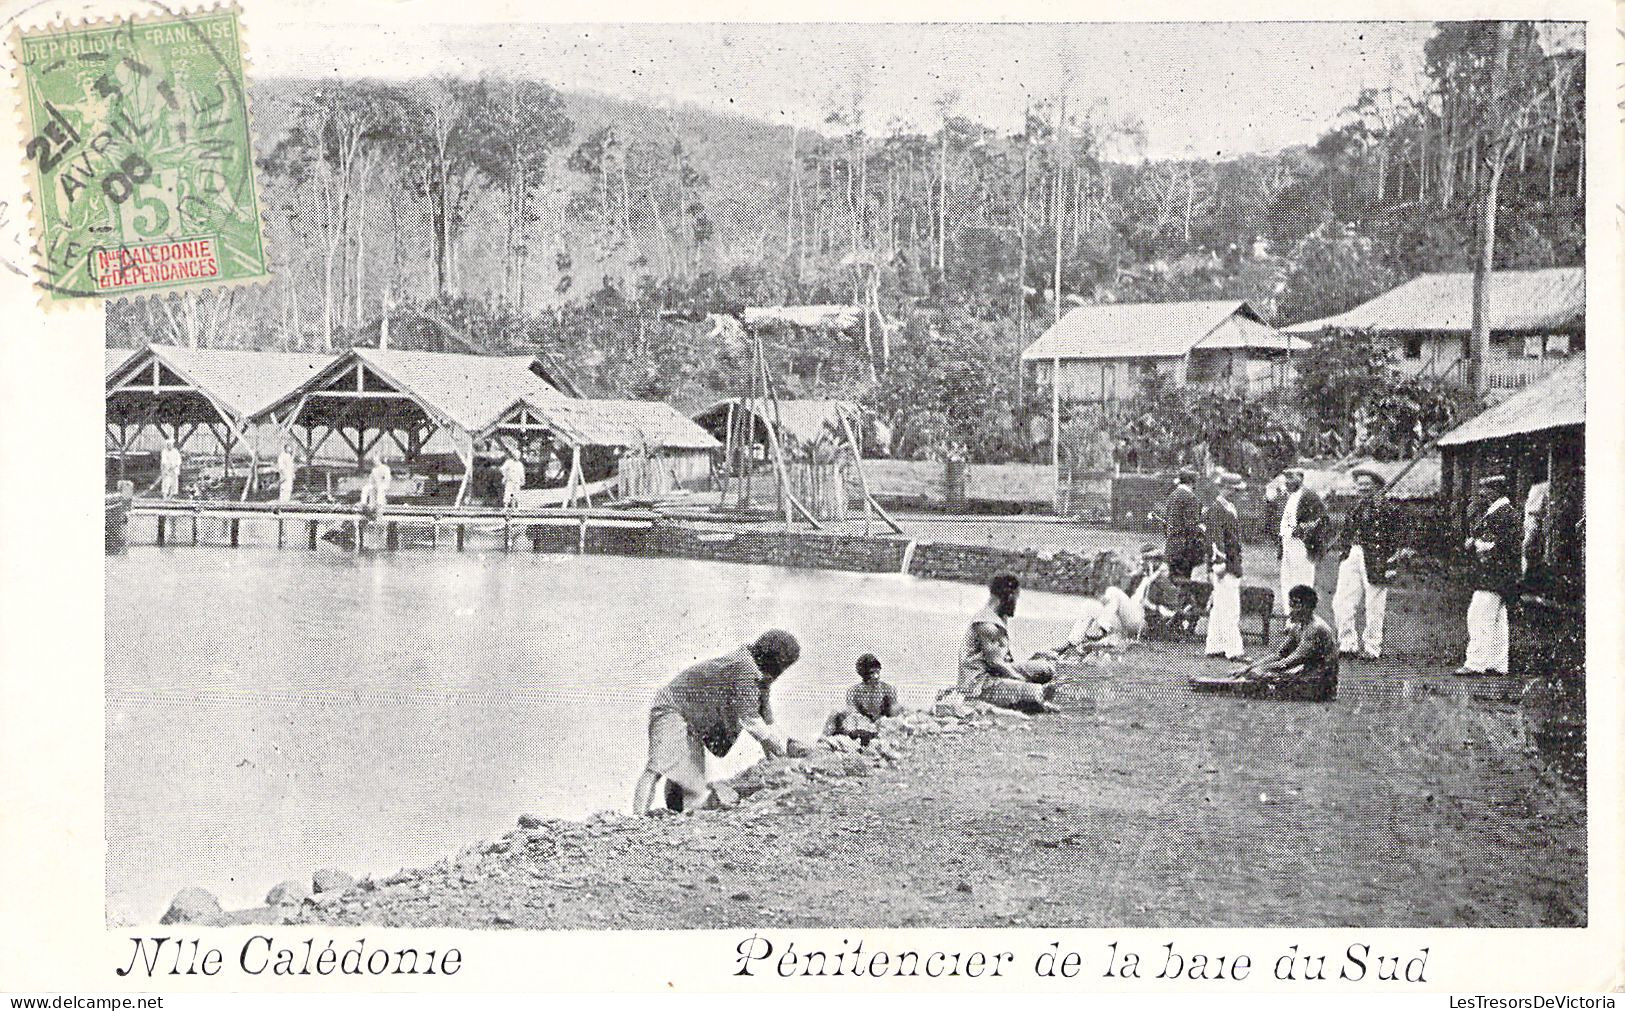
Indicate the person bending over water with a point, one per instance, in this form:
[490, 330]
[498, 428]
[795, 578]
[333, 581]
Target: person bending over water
[869, 700]
[704, 709]
[988, 670]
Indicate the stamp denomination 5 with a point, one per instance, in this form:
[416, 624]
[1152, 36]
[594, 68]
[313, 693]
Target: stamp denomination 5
[139, 155]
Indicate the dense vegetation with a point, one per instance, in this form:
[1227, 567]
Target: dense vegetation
[612, 235]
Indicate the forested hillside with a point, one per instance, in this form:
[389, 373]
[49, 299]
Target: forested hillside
[569, 222]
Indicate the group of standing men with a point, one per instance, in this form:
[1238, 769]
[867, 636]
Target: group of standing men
[1370, 554]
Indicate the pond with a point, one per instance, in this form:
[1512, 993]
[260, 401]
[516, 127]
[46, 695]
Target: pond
[272, 712]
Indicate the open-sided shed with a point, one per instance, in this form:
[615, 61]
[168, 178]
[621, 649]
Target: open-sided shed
[642, 447]
[177, 392]
[367, 395]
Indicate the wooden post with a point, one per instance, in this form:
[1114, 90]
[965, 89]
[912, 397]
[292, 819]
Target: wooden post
[163, 521]
[360, 532]
[581, 537]
[194, 528]
[311, 535]
[434, 533]
[460, 531]
[233, 527]
[507, 533]
[279, 537]
[392, 536]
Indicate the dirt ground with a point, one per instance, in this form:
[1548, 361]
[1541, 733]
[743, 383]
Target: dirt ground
[1415, 799]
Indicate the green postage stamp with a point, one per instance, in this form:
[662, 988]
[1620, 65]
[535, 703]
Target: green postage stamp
[139, 155]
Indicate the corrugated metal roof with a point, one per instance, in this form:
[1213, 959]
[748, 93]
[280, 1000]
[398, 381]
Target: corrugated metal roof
[803, 422]
[1557, 401]
[115, 358]
[624, 423]
[242, 382]
[1151, 330]
[1549, 299]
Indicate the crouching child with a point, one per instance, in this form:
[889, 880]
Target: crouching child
[869, 700]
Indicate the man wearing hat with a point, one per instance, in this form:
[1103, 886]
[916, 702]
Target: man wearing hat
[1364, 575]
[867, 701]
[1224, 534]
[1165, 607]
[1182, 514]
[1496, 568]
[704, 709]
[1303, 518]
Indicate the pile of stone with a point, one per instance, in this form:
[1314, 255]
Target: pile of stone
[839, 757]
[546, 840]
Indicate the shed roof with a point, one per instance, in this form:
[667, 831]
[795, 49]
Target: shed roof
[241, 382]
[803, 421]
[115, 358]
[621, 423]
[1519, 300]
[469, 390]
[466, 391]
[1557, 401]
[1156, 330]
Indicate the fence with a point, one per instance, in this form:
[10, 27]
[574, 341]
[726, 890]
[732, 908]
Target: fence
[929, 483]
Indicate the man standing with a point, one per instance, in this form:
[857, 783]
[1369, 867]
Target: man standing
[1224, 534]
[513, 479]
[375, 492]
[1303, 519]
[1495, 547]
[169, 469]
[704, 709]
[987, 668]
[1182, 513]
[1305, 666]
[1364, 575]
[287, 470]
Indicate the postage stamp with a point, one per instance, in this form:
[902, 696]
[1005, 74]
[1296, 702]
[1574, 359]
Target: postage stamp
[139, 156]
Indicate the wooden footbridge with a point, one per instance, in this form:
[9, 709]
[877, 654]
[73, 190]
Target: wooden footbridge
[180, 518]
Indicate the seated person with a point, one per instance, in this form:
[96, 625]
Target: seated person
[988, 670]
[1166, 610]
[867, 701]
[1111, 616]
[1305, 666]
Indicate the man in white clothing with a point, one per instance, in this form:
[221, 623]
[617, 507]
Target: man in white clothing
[169, 469]
[287, 470]
[1494, 545]
[1302, 517]
[1224, 534]
[1366, 571]
[513, 479]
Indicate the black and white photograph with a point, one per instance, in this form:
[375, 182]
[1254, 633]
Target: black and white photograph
[899, 475]
[829, 477]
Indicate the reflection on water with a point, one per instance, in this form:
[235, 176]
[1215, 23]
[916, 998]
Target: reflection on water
[270, 712]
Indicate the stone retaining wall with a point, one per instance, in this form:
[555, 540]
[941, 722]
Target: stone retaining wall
[1062, 571]
[804, 549]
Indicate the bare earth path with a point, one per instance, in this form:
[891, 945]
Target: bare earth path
[1414, 800]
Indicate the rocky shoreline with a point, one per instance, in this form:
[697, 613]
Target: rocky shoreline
[763, 790]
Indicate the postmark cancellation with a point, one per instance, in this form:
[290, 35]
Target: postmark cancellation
[138, 156]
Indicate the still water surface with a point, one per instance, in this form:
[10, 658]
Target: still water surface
[271, 712]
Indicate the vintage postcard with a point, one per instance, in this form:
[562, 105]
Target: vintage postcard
[869, 501]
